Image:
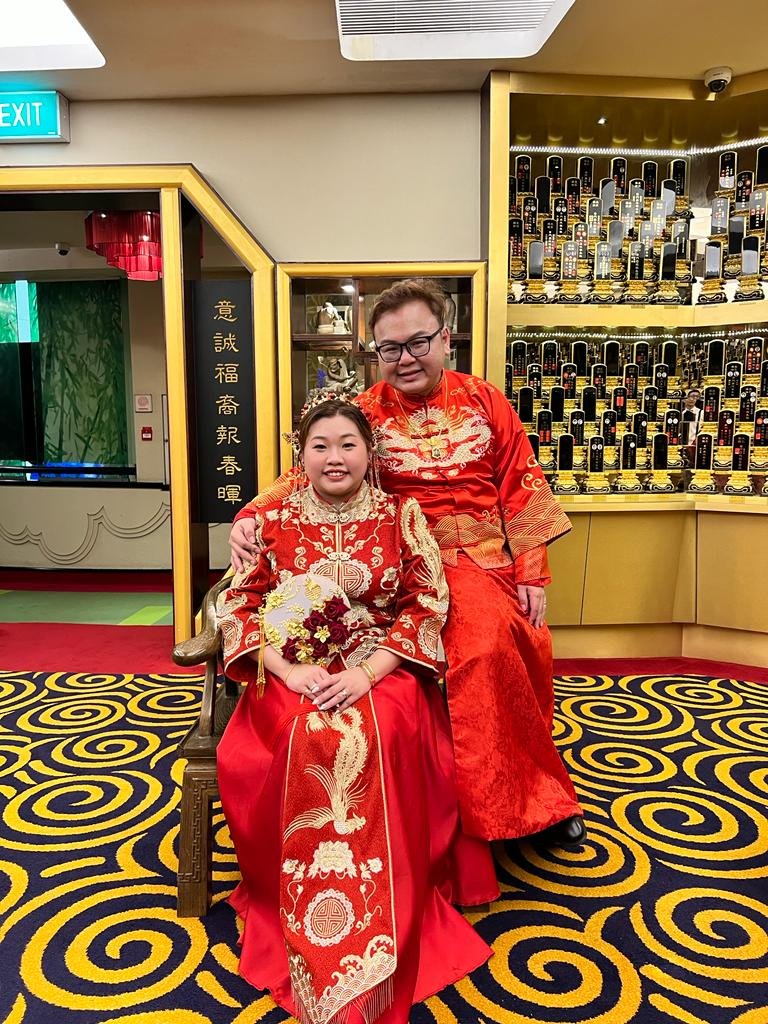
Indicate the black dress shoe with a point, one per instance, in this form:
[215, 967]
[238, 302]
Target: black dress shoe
[568, 832]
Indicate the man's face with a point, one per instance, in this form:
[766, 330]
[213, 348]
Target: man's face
[691, 399]
[413, 375]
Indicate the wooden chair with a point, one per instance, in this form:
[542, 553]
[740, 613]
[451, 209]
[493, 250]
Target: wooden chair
[198, 786]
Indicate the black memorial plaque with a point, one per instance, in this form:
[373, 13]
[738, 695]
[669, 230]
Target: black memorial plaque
[516, 245]
[757, 211]
[726, 176]
[650, 174]
[726, 425]
[586, 172]
[519, 358]
[534, 379]
[661, 379]
[550, 358]
[660, 452]
[619, 403]
[743, 189]
[224, 399]
[525, 404]
[761, 167]
[589, 402]
[549, 237]
[679, 238]
[747, 403]
[555, 174]
[596, 454]
[579, 356]
[565, 453]
[721, 212]
[640, 429]
[658, 218]
[740, 458]
[627, 217]
[581, 238]
[636, 261]
[733, 372]
[612, 357]
[750, 256]
[668, 196]
[568, 379]
[736, 230]
[542, 188]
[646, 238]
[678, 172]
[530, 215]
[703, 460]
[523, 172]
[557, 403]
[608, 428]
[650, 401]
[512, 194]
[641, 354]
[594, 217]
[598, 376]
[533, 439]
[711, 399]
[629, 452]
[669, 355]
[619, 174]
[761, 429]
[631, 377]
[608, 195]
[637, 195]
[715, 357]
[560, 213]
[672, 425]
[544, 427]
[753, 354]
[573, 197]
[615, 238]
[668, 262]
[764, 379]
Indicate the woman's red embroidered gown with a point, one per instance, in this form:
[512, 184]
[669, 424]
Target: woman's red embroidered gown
[346, 825]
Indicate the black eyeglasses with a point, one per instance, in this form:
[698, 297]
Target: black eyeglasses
[391, 352]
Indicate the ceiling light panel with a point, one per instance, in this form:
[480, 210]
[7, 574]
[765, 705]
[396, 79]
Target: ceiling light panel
[446, 29]
[44, 35]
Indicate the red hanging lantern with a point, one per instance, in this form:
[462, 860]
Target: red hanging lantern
[128, 240]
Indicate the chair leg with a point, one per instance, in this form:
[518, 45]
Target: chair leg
[198, 791]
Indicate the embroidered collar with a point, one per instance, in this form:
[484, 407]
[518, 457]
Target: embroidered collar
[320, 512]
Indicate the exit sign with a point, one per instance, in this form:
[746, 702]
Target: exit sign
[34, 117]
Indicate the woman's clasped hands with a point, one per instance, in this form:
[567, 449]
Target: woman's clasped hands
[329, 692]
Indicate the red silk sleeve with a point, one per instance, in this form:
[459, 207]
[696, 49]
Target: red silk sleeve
[238, 616]
[422, 596]
[276, 491]
[530, 512]
[532, 567]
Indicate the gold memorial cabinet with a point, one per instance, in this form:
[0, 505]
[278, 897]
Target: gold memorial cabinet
[641, 574]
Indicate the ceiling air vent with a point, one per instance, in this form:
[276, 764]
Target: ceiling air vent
[446, 29]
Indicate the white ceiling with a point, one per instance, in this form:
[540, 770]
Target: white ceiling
[160, 49]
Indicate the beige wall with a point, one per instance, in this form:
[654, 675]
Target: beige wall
[314, 178]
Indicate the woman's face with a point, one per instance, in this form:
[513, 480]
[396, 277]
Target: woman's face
[335, 458]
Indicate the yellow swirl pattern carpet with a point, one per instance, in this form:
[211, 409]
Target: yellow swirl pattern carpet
[661, 917]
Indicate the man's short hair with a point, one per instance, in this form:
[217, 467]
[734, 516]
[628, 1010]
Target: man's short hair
[415, 289]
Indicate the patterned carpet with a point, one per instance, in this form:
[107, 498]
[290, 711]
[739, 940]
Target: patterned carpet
[662, 917]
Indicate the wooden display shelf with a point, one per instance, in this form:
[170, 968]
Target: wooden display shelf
[554, 315]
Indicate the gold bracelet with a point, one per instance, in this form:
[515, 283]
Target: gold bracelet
[364, 665]
[288, 673]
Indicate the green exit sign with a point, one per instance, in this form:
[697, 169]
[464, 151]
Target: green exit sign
[34, 117]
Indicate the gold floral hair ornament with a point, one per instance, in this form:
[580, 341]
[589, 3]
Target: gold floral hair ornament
[317, 396]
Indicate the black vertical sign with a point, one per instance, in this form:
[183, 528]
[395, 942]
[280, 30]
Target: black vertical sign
[224, 402]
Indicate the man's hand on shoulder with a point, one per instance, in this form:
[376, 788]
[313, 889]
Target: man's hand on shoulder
[242, 542]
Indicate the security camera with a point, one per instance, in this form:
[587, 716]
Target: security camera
[718, 79]
[62, 248]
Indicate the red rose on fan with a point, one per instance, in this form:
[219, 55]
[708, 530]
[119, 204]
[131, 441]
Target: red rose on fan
[338, 633]
[319, 648]
[314, 621]
[335, 608]
[290, 649]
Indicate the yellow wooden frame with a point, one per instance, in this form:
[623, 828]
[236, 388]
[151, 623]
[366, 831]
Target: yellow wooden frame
[173, 181]
[287, 271]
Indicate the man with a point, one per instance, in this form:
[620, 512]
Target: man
[692, 416]
[452, 441]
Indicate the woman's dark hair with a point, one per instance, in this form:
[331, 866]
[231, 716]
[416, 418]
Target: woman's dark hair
[335, 407]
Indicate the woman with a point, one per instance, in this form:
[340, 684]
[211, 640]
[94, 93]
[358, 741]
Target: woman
[337, 780]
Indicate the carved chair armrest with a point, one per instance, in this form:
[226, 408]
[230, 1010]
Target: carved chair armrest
[206, 644]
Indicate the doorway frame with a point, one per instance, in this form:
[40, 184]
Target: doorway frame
[174, 181]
